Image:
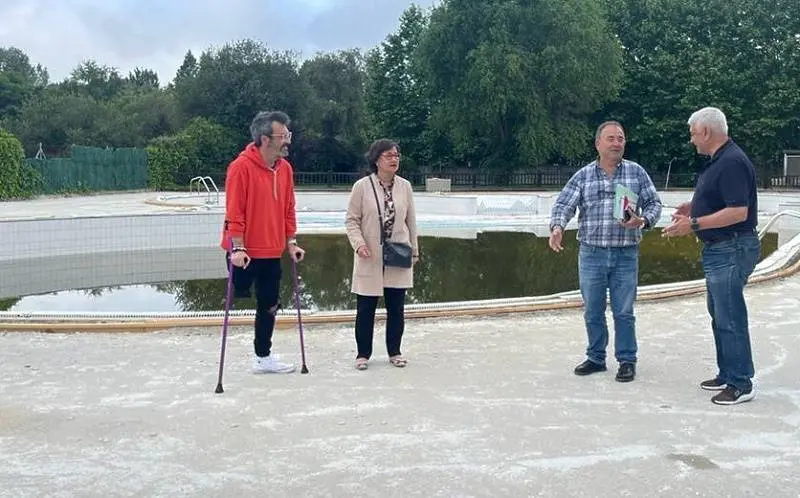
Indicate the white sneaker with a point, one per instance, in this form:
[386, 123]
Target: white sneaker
[270, 364]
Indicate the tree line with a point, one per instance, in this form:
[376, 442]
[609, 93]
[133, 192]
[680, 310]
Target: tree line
[503, 85]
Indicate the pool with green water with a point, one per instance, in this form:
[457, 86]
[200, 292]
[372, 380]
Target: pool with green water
[493, 265]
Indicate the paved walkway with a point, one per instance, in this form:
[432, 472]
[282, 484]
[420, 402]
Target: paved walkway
[486, 408]
[86, 205]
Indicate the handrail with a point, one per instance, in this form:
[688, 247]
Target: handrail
[213, 185]
[202, 179]
[763, 231]
[199, 179]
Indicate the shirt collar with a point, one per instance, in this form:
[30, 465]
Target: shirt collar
[598, 169]
[721, 149]
[391, 184]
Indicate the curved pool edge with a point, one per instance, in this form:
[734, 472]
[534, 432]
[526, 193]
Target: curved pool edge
[782, 263]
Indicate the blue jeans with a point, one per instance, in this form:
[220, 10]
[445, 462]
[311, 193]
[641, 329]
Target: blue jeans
[615, 269]
[727, 266]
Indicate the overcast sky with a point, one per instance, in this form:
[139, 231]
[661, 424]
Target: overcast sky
[156, 34]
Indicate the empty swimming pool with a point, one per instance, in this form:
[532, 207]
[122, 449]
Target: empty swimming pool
[493, 265]
[139, 257]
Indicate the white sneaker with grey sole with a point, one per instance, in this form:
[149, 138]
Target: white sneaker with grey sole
[270, 364]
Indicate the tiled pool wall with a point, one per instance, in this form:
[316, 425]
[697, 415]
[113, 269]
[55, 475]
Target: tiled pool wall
[81, 271]
[317, 212]
[88, 252]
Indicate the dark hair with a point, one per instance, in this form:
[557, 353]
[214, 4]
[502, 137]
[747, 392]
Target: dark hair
[377, 148]
[262, 124]
[603, 126]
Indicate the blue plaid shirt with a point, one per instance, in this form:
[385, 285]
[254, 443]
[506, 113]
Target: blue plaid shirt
[592, 191]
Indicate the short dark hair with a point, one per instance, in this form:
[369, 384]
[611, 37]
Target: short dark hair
[603, 126]
[377, 148]
[262, 124]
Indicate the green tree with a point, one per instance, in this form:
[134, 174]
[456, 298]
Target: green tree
[55, 120]
[203, 148]
[17, 179]
[19, 80]
[231, 84]
[136, 116]
[187, 71]
[742, 56]
[143, 79]
[95, 80]
[60, 118]
[515, 83]
[337, 84]
[11, 156]
[396, 94]
[333, 128]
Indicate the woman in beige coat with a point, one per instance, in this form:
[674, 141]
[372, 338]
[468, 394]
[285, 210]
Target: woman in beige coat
[381, 201]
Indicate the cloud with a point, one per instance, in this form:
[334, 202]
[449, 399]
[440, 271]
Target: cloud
[357, 23]
[155, 34]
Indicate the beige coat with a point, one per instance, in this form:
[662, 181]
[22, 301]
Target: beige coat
[364, 227]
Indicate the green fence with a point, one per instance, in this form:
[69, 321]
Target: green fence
[93, 169]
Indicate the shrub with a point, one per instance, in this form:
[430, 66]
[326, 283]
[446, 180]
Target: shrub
[11, 157]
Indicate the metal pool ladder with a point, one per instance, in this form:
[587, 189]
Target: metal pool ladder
[787, 212]
[202, 179]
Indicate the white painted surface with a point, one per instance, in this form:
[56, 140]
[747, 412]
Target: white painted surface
[486, 408]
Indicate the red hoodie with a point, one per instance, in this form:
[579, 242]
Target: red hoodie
[259, 204]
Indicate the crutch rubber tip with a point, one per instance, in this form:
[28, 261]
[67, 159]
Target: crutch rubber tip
[219, 389]
[304, 370]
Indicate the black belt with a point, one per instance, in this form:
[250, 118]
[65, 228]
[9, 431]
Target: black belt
[729, 236]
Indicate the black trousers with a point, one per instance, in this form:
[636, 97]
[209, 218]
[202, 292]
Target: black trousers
[395, 321]
[266, 274]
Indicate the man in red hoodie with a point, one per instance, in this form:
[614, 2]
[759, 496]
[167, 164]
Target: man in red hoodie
[260, 222]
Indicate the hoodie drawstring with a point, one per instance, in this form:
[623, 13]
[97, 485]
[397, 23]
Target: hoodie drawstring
[254, 156]
[274, 172]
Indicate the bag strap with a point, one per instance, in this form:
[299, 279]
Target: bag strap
[378, 204]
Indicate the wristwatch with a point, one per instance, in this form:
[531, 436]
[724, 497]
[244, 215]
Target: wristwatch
[694, 225]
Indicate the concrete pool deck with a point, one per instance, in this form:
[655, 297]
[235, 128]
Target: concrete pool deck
[81, 206]
[486, 408]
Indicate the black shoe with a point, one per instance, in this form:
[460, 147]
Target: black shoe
[626, 372]
[589, 367]
[713, 385]
[732, 396]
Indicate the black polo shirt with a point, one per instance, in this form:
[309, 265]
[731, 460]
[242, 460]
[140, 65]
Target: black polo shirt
[729, 180]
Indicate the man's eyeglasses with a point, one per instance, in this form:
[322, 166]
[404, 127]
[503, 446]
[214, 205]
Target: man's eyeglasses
[287, 135]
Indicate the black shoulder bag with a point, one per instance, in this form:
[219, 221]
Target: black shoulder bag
[396, 254]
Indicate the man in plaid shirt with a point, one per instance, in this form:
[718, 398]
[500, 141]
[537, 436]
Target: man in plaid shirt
[608, 257]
